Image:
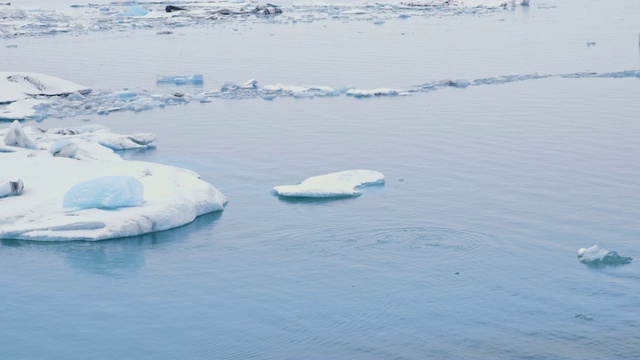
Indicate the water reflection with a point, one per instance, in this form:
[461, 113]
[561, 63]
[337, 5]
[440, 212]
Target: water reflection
[314, 201]
[121, 257]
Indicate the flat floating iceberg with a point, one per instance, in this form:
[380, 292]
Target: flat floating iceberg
[338, 184]
[24, 85]
[595, 256]
[181, 79]
[96, 194]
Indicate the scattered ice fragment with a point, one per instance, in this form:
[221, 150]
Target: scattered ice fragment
[64, 148]
[181, 80]
[16, 137]
[596, 256]
[459, 83]
[584, 317]
[105, 192]
[11, 188]
[373, 92]
[339, 184]
[135, 11]
[250, 84]
[143, 139]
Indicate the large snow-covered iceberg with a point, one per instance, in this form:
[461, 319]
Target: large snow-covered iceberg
[95, 194]
[338, 184]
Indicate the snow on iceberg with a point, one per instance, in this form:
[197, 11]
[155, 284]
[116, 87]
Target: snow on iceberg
[338, 184]
[68, 198]
[11, 188]
[16, 136]
[595, 256]
[23, 85]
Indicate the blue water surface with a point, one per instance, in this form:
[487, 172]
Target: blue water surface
[468, 251]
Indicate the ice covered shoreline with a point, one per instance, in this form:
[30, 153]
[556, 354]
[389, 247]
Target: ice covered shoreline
[57, 203]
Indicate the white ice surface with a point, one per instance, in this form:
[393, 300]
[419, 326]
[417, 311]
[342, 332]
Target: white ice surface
[339, 184]
[21, 109]
[16, 86]
[172, 196]
[592, 254]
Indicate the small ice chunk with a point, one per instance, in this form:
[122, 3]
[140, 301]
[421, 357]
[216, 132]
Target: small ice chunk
[143, 139]
[459, 83]
[339, 184]
[16, 137]
[105, 192]
[181, 79]
[358, 93]
[355, 11]
[596, 256]
[250, 84]
[11, 188]
[135, 11]
[64, 148]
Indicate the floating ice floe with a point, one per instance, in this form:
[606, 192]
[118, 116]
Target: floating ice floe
[339, 184]
[94, 194]
[359, 93]
[24, 85]
[181, 80]
[103, 102]
[596, 256]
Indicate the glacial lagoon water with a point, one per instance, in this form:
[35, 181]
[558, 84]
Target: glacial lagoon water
[468, 251]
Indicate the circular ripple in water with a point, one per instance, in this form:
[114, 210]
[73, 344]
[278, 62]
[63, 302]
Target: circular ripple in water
[436, 241]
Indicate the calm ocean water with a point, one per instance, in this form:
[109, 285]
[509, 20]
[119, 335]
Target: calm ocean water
[468, 251]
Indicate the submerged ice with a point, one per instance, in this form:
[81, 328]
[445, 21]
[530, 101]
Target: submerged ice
[91, 193]
[338, 184]
[597, 256]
